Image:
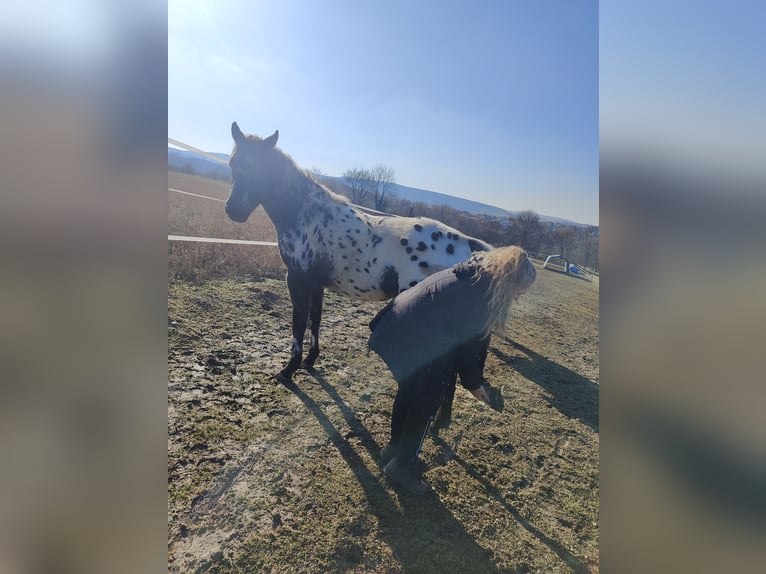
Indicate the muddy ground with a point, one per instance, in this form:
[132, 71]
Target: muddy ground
[268, 478]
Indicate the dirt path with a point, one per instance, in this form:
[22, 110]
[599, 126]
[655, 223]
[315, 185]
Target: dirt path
[268, 478]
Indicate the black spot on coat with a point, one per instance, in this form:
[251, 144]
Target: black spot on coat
[421, 246]
[414, 258]
[450, 249]
[423, 264]
[403, 241]
[418, 227]
[389, 282]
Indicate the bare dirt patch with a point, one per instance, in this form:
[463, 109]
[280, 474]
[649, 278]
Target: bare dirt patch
[268, 478]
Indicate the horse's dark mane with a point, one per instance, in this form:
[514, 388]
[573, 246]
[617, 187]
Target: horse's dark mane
[306, 181]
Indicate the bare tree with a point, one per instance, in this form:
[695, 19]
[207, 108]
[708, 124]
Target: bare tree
[358, 181]
[382, 183]
[526, 230]
[491, 230]
[563, 237]
[400, 206]
[317, 173]
[373, 186]
[590, 246]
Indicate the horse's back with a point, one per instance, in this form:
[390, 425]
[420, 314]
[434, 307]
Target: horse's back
[419, 247]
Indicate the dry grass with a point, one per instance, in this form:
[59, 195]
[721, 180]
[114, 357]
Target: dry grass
[268, 478]
[200, 217]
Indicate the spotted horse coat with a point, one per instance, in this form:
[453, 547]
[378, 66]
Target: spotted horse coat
[327, 242]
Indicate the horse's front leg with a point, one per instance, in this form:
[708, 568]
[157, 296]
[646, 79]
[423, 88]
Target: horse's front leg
[315, 317]
[300, 295]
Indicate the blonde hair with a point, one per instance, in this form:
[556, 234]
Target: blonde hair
[511, 274]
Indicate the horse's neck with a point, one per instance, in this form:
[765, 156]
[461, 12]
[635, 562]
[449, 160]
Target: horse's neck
[284, 203]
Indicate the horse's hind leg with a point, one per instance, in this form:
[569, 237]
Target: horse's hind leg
[300, 294]
[315, 318]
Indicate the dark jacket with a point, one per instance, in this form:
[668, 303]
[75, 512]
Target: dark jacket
[433, 331]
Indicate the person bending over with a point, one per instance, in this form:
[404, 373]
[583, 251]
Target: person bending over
[436, 332]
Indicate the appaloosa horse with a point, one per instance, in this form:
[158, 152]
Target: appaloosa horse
[326, 242]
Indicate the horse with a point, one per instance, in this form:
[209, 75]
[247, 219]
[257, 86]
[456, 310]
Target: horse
[327, 242]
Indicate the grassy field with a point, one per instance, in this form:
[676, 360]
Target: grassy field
[270, 478]
[196, 216]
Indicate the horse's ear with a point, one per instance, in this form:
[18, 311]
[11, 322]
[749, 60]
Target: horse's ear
[271, 141]
[236, 133]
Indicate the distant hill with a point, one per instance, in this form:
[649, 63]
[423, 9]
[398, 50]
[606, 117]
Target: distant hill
[434, 198]
[204, 166]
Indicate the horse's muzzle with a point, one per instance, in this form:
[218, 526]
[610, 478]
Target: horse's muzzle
[238, 214]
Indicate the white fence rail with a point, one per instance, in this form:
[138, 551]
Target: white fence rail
[216, 240]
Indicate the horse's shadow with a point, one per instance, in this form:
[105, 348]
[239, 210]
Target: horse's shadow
[419, 532]
[572, 394]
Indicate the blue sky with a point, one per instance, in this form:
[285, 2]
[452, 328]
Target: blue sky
[494, 101]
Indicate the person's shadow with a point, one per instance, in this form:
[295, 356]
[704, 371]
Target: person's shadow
[570, 559]
[423, 535]
[572, 394]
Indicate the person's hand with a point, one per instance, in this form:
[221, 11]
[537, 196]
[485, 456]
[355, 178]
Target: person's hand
[496, 400]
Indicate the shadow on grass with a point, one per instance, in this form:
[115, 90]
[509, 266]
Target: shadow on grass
[570, 559]
[572, 394]
[423, 535]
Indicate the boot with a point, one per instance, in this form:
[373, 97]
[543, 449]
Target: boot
[401, 475]
[388, 452]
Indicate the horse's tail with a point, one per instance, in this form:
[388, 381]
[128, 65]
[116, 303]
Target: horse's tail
[512, 274]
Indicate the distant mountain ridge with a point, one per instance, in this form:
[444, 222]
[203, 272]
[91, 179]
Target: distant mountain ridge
[204, 166]
[200, 164]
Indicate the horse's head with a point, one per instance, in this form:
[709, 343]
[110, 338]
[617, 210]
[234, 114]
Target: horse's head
[253, 172]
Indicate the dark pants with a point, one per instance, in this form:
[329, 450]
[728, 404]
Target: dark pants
[407, 431]
[416, 402]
